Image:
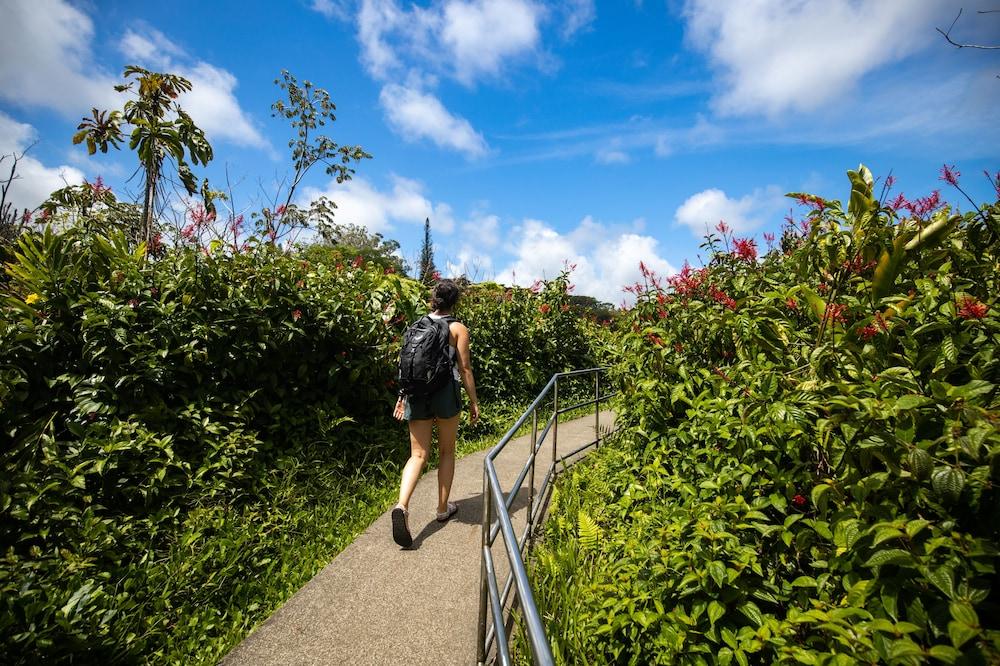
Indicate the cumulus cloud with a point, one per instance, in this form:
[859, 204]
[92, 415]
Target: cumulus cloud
[702, 211]
[774, 56]
[481, 35]
[420, 115]
[212, 101]
[606, 258]
[46, 58]
[34, 181]
[464, 39]
[362, 203]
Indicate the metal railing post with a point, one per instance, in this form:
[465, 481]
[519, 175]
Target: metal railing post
[498, 506]
[555, 423]
[483, 583]
[531, 474]
[597, 410]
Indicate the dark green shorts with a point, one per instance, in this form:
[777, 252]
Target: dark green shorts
[444, 404]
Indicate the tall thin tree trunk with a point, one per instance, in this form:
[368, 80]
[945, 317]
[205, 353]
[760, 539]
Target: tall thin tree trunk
[149, 201]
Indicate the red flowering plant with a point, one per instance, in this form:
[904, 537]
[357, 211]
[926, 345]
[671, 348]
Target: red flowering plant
[816, 469]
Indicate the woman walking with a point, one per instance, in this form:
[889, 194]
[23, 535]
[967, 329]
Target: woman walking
[444, 407]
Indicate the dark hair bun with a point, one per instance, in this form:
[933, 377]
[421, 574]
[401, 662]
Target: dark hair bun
[444, 295]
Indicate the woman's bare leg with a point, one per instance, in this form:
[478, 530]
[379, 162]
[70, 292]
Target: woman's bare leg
[420, 448]
[447, 433]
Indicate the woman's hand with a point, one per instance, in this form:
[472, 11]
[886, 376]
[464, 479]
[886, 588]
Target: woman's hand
[473, 413]
[400, 409]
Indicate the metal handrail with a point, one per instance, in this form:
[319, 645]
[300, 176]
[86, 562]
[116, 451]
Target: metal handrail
[497, 522]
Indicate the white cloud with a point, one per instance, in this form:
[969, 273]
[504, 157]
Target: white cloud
[775, 56]
[465, 39]
[702, 211]
[212, 100]
[46, 59]
[612, 156]
[360, 202]
[420, 115]
[483, 34]
[579, 15]
[34, 181]
[333, 9]
[606, 258]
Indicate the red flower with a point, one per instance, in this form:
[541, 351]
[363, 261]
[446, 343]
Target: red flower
[745, 249]
[296, 314]
[279, 211]
[890, 181]
[867, 333]
[564, 307]
[823, 287]
[835, 313]
[661, 313]
[300, 283]
[721, 297]
[187, 233]
[792, 304]
[678, 347]
[899, 202]
[389, 270]
[544, 308]
[950, 174]
[156, 243]
[133, 302]
[811, 200]
[656, 340]
[722, 227]
[358, 262]
[768, 238]
[799, 501]
[970, 308]
[436, 275]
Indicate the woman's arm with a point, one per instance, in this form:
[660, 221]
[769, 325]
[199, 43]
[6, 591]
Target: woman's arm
[465, 368]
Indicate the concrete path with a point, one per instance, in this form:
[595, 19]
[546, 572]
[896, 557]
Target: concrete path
[378, 604]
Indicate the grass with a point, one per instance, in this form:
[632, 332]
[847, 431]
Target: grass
[314, 508]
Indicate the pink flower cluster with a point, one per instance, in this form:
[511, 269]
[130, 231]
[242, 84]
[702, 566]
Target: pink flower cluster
[919, 207]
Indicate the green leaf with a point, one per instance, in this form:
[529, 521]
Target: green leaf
[715, 611]
[943, 578]
[948, 483]
[963, 612]
[717, 570]
[750, 610]
[961, 633]
[945, 653]
[904, 647]
[890, 556]
[804, 581]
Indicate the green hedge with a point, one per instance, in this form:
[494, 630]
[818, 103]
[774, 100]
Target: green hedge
[809, 469]
[187, 438]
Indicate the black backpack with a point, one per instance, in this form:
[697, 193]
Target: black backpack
[424, 361]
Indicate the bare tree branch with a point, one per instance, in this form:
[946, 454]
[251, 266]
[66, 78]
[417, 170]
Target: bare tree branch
[947, 35]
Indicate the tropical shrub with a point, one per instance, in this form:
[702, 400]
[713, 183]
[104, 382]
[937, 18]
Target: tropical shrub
[809, 469]
[522, 336]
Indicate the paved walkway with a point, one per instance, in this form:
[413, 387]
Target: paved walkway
[378, 604]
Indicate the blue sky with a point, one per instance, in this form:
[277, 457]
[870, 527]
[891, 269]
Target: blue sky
[531, 132]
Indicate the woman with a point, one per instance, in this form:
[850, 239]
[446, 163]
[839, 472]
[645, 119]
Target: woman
[444, 406]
